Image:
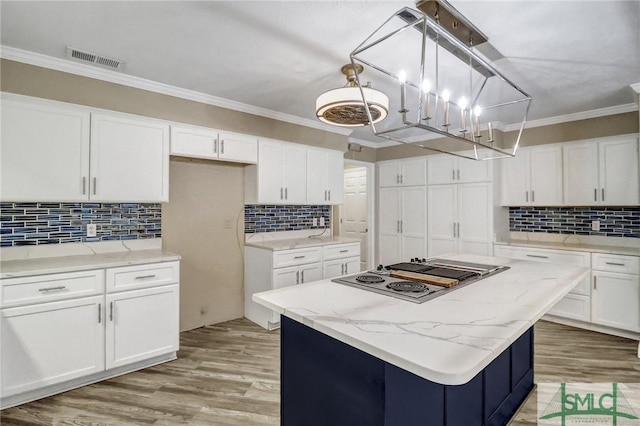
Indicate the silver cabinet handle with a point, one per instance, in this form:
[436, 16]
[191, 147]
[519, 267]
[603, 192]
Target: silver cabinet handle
[537, 256]
[325, 195]
[95, 185]
[614, 263]
[329, 195]
[458, 173]
[344, 251]
[342, 269]
[61, 287]
[299, 257]
[215, 146]
[533, 196]
[595, 194]
[398, 226]
[602, 194]
[222, 147]
[595, 282]
[346, 268]
[110, 311]
[286, 193]
[84, 185]
[458, 229]
[281, 193]
[297, 277]
[401, 178]
[144, 277]
[401, 226]
[526, 194]
[302, 276]
[453, 175]
[99, 313]
[454, 229]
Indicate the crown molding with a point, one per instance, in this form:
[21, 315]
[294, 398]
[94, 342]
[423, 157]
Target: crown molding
[636, 87]
[594, 113]
[72, 67]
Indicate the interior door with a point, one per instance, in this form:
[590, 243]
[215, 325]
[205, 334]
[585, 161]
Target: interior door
[354, 211]
[441, 207]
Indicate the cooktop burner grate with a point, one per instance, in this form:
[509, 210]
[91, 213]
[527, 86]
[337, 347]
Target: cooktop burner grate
[369, 279]
[407, 286]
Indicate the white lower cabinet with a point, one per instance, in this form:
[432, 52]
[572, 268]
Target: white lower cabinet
[141, 324]
[50, 343]
[616, 293]
[266, 269]
[61, 331]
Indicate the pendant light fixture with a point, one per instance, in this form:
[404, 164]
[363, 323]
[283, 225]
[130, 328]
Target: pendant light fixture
[345, 106]
[443, 86]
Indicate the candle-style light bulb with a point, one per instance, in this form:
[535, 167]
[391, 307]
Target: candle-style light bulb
[490, 129]
[476, 112]
[462, 103]
[402, 78]
[445, 97]
[426, 89]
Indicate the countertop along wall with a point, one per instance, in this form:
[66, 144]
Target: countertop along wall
[202, 193]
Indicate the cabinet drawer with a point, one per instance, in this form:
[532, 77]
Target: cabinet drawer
[296, 257]
[615, 263]
[49, 288]
[543, 255]
[142, 276]
[340, 251]
[573, 306]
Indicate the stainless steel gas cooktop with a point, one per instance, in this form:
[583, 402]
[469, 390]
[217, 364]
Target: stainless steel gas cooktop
[420, 279]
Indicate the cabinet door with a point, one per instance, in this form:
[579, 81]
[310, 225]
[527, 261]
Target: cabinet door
[546, 176]
[441, 207]
[237, 147]
[389, 174]
[310, 273]
[389, 226]
[194, 142]
[45, 152]
[352, 265]
[413, 226]
[616, 300]
[580, 174]
[474, 225]
[141, 324]
[619, 172]
[474, 171]
[317, 191]
[50, 343]
[333, 268]
[335, 177]
[129, 159]
[286, 277]
[295, 174]
[515, 179]
[270, 172]
[441, 168]
[413, 171]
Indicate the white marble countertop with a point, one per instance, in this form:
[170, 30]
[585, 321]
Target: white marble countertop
[593, 248]
[446, 340]
[296, 243]
[52, 265]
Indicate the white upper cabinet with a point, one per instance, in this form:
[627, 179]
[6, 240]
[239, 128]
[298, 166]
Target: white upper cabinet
[52, 151]
[408, 172]
[325, 176]
[533, 177]
[45, 152]
[280, 177]
[602, 172]
[129, 159]
[201, 142]
[445, 169]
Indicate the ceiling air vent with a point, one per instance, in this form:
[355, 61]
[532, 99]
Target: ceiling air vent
[92, 58]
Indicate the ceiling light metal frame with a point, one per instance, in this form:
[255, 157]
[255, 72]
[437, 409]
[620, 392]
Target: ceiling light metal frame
[430, 29]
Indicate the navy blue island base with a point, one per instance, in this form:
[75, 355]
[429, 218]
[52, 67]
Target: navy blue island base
[325, 382]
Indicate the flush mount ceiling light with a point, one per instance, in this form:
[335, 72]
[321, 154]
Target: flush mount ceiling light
[443, 85]
[344, 106]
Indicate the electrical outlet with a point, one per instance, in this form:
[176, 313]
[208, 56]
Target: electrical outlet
[315, 221]
[227, 223]
[321, 221]
[92, 230]
[595, 225]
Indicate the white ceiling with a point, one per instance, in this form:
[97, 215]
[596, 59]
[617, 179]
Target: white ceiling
[571, 56]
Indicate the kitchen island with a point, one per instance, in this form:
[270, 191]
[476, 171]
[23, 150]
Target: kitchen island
[353, 357]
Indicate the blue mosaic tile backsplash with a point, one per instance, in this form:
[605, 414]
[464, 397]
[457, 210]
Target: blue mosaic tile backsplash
[24, 224]
[271, 218]
[614, 221]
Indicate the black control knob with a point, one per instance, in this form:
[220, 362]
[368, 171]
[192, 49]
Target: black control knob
[380, 267]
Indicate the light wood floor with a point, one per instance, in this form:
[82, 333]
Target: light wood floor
[228, 374]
